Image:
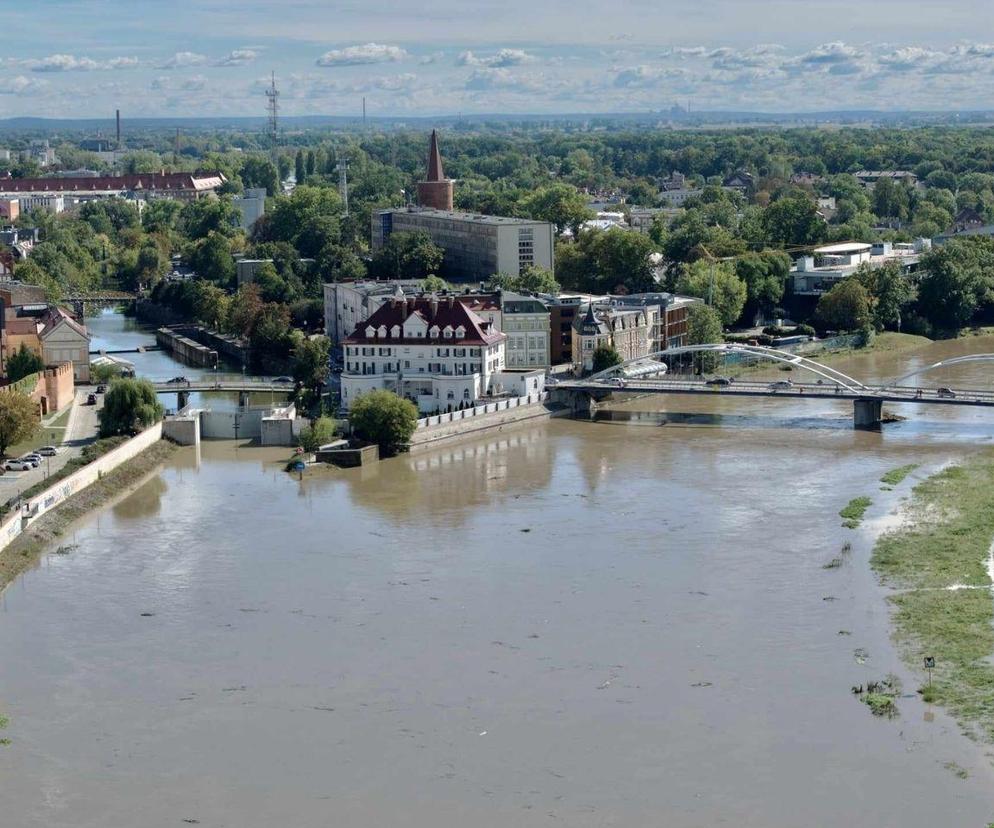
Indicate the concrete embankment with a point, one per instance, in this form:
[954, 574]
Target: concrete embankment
[434, 434]
[26, 533]
[185, 349]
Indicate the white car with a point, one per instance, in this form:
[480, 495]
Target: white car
[17, 465]
[33, 462]
[47, 451]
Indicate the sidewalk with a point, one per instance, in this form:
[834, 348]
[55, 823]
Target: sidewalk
[80, 429]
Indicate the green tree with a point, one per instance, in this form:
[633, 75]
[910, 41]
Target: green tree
[532, 279]
[204, 216]
[23, 362]
[407, 256]
[704, 328]
[245, 307]
[890, 290]
[211, 259]
[605, 356]
[957, 280]
[300, 174]
[130, 405]
[718, 285]
[258, 171]
[18, 418]
[310, 362]
[211, 304]
[319, 433]
[765, 275]
[890, 199]
[560, 204]
[793, 221]
[434, 284]
[270, 338]
[845, 307]
[383, 418]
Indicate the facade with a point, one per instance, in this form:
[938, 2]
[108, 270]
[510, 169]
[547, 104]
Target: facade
[10, 209]
[628, 331]
[436, 191]
[144, 186]
[476, 247]
[63, 339]
[668, 316]
[525, 321]
[49, 202]
[435, 352]
[251, 206]
[346, 304]
[827, 266]
[869, 178]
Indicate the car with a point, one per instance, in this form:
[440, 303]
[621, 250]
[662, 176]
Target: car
[101, 389]
[31, 461]
[719, 381]
[91, 399]
[176, 380]
[17, 465]
[33, 456]
[283, 379]
[946, 392]
[781, 385]
[47, 451]
[617, 382]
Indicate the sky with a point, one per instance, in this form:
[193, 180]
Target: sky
[189, 58]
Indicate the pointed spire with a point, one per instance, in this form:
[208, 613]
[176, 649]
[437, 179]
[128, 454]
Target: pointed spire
[434, 160]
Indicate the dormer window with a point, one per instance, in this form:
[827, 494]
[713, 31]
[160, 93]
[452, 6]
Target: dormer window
[447, 333]
[370, 332]
[433, 332]
[382, 331]
[395, 331]
[460, 332]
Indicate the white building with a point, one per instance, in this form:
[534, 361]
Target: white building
[251, 206]
[628, 330]
[435, 352]
[526, 322]
[63, 339]
[828, 265]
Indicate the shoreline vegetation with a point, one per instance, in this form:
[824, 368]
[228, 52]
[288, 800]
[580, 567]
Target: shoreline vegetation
[27, 549]
[940, 567]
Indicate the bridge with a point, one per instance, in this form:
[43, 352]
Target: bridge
[650, 375]
[182, 387]
[79, 301]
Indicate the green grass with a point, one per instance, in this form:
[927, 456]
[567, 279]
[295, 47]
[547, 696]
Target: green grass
[946, 542]
[880, 704]
[896, 476]
[852, 513]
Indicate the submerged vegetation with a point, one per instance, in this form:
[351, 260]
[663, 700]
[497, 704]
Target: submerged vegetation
[940, 564]
[852, 513]
[896, 476]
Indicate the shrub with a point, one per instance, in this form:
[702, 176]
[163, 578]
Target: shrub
[383, 418]
[319, 433]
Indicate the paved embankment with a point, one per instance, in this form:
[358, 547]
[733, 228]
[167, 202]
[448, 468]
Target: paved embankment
[433, 435]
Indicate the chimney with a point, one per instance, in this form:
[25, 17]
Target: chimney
[118, 117]
[410, 304]
[452, 301]
[434, 306]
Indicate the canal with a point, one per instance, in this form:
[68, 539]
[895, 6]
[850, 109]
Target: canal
[624, 622]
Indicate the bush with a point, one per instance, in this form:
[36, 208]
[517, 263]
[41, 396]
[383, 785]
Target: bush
[383, 418]
[129, 406]
[321, 432]
[605, 356]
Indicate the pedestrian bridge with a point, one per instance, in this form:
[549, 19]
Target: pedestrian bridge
[221, 383]
[650, 375]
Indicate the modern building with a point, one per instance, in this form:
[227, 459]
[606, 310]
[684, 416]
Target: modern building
[435, 352]
[828, 265]
[525, 320]
[436, 191]
[346, 304]
[251, 206]
[143, 186]
[477, 247]
[627, 330]
[10, 209]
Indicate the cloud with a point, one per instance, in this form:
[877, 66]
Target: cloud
[499, 59]
[360, 55]
[648, 76]
[21, 85]
[194, 83]
[910, 58]
[62, 63]
[237, 57]
[829, 54]
[184, 59]
[434, 57]
[498, 78]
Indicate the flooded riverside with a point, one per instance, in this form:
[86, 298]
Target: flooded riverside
[624, 622]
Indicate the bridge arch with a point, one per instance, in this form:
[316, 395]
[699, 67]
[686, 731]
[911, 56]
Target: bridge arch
[758, 351]
[944, 363]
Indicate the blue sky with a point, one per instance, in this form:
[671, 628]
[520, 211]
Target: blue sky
[79, 58]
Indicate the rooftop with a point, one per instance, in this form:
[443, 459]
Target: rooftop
[842, 248]
[456, 215]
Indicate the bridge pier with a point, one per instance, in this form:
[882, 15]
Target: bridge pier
[867, 412]
[182, 400]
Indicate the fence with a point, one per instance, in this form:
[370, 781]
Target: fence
[480, 410]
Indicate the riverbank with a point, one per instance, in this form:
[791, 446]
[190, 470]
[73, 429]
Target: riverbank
[27, 549]
[940, 565]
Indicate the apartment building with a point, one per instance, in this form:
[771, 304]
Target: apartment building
[526, 322]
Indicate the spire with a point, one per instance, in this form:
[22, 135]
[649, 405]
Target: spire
[434, 160]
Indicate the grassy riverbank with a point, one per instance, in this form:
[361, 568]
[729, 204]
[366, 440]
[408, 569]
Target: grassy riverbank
[27, 549]
[946, 543]
[888, 342]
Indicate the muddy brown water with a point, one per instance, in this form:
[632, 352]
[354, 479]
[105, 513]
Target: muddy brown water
[624, 622]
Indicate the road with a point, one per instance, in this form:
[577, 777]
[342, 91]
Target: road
[81, 429]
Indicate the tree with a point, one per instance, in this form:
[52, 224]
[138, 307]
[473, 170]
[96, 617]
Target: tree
[890, 199]
[765, 275]
[211, 259]
[245, 307]
[270, 338]
[560, 204]
[605, 356]
[718, 285]
[703, 328]
[258, 171]
[845, 307]
[210, 304]
[130, 405]
[434, 284]
[890, 292]
[18, 418]
[383, 418]
[209, 215]
[300, 173]
[793, 221]
[319, 433]
[407, 256]
[607, 261]
[23, 362]
[310, 362]
[958, 279]
[531, 280]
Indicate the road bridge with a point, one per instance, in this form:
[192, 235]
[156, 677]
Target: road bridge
[638, 377]
[182, 387]
[100, 298]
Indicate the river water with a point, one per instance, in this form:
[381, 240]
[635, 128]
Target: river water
[624, 622]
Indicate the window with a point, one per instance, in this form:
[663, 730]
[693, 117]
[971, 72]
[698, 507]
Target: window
[465, 393]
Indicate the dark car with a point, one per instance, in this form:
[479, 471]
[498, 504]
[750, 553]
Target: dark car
[91, 399]
[721, 381]
[946, 392]
[101, 389]
[179, 379]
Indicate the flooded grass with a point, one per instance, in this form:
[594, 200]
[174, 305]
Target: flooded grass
[946, 543]
[896, 476]
[852, 513]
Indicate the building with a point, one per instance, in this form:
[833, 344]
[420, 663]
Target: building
[48, 331]
[869, 178]
[14, 293]
[142, 186]
[676, 198]
[436, 191]
[627, 330]
[740, 181]
[476, 247]
[525, 320]
[668, 316]
[435, 352]
[346, 304]
[49, 202]
[827, 266]
[63, 339]
[10, 209]
[251, 206]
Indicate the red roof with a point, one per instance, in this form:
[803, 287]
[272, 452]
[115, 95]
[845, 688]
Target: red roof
[196, 182]
[434, 160]
[443, 312]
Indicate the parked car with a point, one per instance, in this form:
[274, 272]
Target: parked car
[17, 465]
[781, 385]
[176, 380]
[719, 381]
[946, 392]
[33, 456]
[283, 379]
[47, 451]
[91, 399]
[101, 389]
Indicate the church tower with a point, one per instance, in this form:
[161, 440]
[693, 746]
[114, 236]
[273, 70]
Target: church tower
[436, 190]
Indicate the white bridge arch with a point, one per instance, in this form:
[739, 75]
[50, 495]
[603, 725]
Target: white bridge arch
[854, 386]
[945, 363]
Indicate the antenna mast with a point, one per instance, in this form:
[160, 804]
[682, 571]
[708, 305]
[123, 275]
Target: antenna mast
[342, 165]
[273, 107]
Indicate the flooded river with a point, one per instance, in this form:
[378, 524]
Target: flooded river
[625, 622]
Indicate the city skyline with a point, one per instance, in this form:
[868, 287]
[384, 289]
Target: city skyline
[215, 58]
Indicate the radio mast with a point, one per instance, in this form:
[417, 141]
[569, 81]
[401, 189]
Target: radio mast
[273, 108]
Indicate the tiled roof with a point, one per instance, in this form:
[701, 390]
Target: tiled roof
[55, 317]
[197, 182]
[444, 312]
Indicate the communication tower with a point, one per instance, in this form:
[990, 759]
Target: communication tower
[273, 107]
